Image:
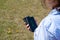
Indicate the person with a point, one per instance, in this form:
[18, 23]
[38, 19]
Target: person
[49, 27]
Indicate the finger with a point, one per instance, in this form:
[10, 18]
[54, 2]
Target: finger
[27, 25]
[28, 28]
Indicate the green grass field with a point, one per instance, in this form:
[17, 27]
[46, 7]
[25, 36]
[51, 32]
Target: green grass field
[11, 14]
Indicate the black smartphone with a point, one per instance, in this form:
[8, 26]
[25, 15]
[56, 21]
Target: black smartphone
[31, 21]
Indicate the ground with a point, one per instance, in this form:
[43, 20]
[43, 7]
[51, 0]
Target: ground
[12, 13]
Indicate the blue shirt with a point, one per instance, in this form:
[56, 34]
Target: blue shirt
[49, 28]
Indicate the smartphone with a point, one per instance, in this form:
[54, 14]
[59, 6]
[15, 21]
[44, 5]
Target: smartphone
[31, 21]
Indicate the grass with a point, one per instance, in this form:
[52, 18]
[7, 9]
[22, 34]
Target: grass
[11, 14]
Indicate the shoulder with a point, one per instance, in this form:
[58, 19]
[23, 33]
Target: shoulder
[46, 22]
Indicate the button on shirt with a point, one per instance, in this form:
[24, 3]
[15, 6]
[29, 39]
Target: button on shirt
[49, 28]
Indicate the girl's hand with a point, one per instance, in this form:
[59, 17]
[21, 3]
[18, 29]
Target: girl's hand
[27, 26]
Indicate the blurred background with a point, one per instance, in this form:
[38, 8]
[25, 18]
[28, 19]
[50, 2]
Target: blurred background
[12, 13]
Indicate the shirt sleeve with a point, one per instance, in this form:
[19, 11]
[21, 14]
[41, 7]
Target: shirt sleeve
[55, 27]
[41, 33]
